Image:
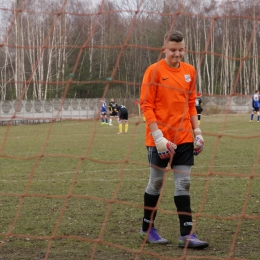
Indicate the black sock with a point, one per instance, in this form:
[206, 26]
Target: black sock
[149, 215]
[183, 205]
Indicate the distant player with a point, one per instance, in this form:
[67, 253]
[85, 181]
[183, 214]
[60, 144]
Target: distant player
[255, 106]
[112, 110]
[198, 104]
[122, 117]
[103, 112]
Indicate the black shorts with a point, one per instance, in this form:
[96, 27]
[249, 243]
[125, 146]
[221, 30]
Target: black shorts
[114, 113]
[256, 109]
[123, 114]
[183, 156]
[199, 109]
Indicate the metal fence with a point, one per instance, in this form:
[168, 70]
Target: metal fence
[235, 104]
[41, 111]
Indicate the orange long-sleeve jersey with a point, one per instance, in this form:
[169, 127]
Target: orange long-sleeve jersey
[168, 98]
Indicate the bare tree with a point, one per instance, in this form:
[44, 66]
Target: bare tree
[46, 40]
[19, 54]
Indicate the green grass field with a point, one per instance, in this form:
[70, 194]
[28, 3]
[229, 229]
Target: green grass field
[74, 190]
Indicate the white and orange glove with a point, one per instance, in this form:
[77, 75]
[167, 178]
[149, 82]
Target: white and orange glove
[164, 147]
[198, 142]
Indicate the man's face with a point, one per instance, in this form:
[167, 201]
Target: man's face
[174, 52]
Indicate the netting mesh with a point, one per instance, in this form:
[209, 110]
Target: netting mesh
[72, 189]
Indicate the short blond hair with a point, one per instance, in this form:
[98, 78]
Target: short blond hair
[173, 36]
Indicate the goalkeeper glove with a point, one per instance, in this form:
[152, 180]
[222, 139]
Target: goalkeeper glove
[164, 147]
[199, 142]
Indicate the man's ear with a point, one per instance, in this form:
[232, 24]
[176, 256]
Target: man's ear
[163, 49]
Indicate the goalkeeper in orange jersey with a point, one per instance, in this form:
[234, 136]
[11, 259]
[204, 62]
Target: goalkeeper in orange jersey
[173, 137]
[122, 118]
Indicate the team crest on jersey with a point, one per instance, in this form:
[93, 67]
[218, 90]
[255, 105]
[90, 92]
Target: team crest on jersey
[187, 78]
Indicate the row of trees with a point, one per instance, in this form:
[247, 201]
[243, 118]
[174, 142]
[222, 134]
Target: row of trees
[57, 48]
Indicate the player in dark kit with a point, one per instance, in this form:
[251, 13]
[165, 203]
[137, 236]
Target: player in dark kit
[112, 106]
[122, 117]
[198, 104]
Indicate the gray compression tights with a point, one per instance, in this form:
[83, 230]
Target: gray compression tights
[181, 175]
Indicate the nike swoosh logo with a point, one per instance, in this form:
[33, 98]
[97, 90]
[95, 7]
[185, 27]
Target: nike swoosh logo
[164, 78]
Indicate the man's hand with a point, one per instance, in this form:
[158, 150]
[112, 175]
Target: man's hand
[164, 147]
[199, 142]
